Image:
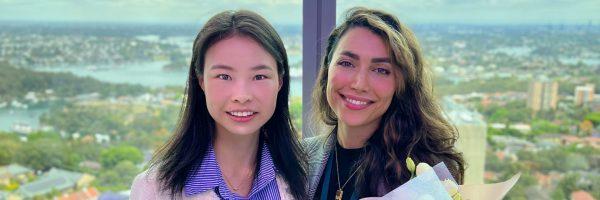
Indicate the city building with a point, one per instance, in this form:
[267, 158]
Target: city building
[55, 181]
[472, 131]
[542, 95]
[14, 171]
[584, 94]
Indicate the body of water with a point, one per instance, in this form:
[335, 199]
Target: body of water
[513, 51]
[586, 61]
[11, 116]
[147, 74]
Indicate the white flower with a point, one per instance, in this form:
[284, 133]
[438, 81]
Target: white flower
[422, 168]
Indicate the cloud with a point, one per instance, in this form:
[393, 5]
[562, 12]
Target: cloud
[290, 11]
[169, 11]
[485, 11]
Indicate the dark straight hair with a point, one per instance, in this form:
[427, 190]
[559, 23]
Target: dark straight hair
[412, 126]
[195, 130]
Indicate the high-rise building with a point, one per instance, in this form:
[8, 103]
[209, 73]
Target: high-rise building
[542, 95]
[584, 94]
[472, 131]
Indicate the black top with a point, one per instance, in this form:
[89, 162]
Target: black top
[348, 163]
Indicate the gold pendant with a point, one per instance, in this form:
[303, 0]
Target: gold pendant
[338, 194]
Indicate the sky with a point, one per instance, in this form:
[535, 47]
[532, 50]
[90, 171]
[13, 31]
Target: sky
[290, 11]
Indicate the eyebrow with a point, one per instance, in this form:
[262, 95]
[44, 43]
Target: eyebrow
[380, 60]
[374, 60]
[351, 55]
[225, 67]
[261, 67]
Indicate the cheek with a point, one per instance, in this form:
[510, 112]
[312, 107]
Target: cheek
[216, 95]
[215, 91]
[339, 79]
[266, 92]
[384, 89]
[334, 81]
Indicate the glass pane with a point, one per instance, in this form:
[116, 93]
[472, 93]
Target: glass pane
[90, 89]
[519, 79]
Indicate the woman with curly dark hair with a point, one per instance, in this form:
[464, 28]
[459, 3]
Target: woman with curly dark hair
[375, 93]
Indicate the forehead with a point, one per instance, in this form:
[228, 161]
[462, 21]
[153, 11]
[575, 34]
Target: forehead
[364, 42]
[238, 52]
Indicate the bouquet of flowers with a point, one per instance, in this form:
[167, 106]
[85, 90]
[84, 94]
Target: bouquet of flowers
[437, 183]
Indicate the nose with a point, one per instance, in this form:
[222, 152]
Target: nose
[241, 93]
[359, 81]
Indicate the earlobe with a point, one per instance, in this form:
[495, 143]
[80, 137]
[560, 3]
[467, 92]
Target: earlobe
[280, 84]
[201, 82]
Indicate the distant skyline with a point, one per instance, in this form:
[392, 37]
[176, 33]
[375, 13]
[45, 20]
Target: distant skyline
[290, 11]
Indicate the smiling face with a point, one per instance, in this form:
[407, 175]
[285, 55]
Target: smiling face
[361, 79]
[241, 83]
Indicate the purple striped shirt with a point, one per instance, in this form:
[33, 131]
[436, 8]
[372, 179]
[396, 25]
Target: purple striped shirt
[209, 177]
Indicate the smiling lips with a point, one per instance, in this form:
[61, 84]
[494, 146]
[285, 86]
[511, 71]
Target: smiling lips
[355, 103]
[241, 116]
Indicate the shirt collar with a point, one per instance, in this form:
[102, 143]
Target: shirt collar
[266, 173]
[208, 176]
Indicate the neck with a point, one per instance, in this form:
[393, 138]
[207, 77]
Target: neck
[354, 137]
[236, 154]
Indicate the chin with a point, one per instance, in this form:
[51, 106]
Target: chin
[354, 121]
[243, 131]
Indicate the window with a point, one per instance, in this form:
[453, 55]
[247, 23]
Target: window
[517, 80]
[90, 89]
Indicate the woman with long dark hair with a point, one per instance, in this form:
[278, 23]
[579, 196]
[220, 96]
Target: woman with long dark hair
[234, 138]
[374, 91]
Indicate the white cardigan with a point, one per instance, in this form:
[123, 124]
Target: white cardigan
[146, 186]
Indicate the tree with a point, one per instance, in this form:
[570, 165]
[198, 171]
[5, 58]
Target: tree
[9, 146]
[118, 178]
[43, 154]
[541, 126]
[594, 117]
[595, 186]
[586, 127]
[575, 162]
[501, 115]
[296, 113]
[113, 155]
[519, 190]
[565, 186]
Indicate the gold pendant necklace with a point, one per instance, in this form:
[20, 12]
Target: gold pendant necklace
[338, 194]
[340, 191]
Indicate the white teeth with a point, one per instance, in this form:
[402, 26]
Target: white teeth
[356, 102]
[241, 114]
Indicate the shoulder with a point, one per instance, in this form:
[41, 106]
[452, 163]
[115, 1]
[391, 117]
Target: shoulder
[145, 186]
[284, 189]
[312, 144]
[317, 149]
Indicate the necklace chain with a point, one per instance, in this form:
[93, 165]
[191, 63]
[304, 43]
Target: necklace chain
[341, 187]
[236, 188]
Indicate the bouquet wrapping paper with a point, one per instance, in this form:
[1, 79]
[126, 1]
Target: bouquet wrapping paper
[434, 184]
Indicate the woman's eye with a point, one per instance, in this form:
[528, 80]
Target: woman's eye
[344, 63]
[260, 77]
[382, 71]
[224, 77]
